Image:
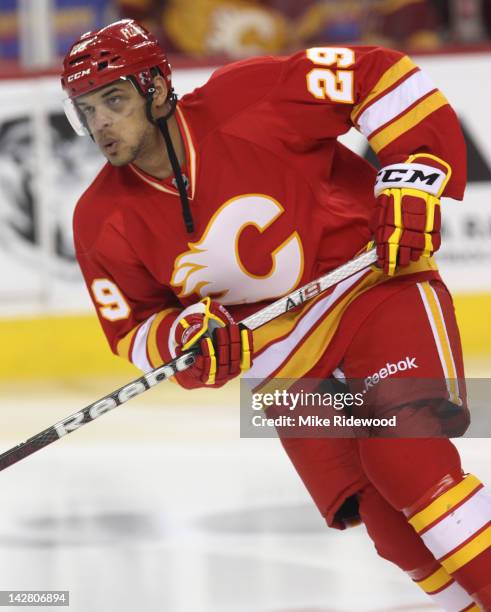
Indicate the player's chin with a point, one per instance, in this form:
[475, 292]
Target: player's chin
[117, 162]
[117, 159]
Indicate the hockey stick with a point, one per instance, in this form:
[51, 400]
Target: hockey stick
[139, 385]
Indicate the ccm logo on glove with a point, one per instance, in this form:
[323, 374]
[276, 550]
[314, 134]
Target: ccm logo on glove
[415, 176]
[406, 221]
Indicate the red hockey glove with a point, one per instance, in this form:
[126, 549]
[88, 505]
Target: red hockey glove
[406, 221]
[225, 348]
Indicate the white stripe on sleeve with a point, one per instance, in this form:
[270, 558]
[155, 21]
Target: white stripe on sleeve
[139, 352]
[394, 103]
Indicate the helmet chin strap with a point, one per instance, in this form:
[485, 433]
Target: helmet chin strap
[161, 123]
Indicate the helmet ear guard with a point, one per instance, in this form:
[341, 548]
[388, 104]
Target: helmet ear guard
[171, 99]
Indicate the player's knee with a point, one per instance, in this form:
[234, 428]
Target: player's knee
[403, 470]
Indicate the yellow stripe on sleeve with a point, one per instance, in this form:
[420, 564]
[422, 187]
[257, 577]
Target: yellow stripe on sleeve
[409, 120]
[388, 79]
[123, 346]
[468, 552]
[436, 581]
[152, 347]
[444, 503]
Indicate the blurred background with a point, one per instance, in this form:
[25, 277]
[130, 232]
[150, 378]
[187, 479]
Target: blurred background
[238, 28]
[161, 494]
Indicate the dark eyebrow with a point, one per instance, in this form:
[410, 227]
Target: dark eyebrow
[104, 95]
[111, 91]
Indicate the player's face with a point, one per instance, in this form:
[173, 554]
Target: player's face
[115, 116]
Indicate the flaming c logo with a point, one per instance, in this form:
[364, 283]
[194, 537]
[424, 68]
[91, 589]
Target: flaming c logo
[213, 266]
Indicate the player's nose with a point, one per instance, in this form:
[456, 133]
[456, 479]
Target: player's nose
[101, 119]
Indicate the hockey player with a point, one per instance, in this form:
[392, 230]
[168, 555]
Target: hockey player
[234, 195]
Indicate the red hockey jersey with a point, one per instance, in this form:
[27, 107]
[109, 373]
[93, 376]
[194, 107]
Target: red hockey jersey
[276, 200]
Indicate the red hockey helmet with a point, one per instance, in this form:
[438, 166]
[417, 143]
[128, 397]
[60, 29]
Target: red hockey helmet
[120, 50]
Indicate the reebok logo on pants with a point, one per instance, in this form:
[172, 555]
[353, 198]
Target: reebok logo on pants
[408, 363]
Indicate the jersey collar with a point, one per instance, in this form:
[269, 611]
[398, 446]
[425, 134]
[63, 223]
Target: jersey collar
[166, 185]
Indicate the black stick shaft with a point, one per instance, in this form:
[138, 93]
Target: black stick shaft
[95, 410]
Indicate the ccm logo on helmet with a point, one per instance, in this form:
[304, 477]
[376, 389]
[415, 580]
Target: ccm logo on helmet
[78, 75]
[408, 363]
